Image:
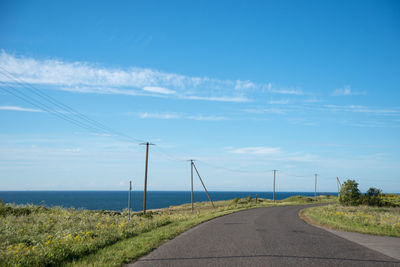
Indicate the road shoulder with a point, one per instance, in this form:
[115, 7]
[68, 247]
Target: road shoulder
[389, 246]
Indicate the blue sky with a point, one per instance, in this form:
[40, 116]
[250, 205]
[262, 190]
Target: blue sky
[244, 87]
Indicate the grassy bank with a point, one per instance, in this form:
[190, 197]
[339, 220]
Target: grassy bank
[362, 219]
[39, 236]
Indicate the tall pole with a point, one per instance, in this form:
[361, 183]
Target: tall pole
[129, 201]
[145, 178]
[339, 186]
[315, 188]
[191, 181]
[274, 186]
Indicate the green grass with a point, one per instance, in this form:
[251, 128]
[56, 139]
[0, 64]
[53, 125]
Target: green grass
[383, 221]
[39, 236]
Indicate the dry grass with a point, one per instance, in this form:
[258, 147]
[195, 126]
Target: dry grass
[363, 219]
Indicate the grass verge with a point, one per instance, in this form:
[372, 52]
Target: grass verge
[40, 236]
[384, 221]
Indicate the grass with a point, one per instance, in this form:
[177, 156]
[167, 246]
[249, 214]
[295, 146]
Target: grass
[40, 236]
[383, 221]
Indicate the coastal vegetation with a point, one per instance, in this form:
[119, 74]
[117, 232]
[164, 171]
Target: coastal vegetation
[369, 213]
[42, 236]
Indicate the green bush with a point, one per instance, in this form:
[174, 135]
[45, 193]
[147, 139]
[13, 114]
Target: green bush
[391, 200]
[373, 197]
[249, 198]
[350, 194]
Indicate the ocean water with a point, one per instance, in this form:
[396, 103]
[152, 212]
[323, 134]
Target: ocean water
[118, 200]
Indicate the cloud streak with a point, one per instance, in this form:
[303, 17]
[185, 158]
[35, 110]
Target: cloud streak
[170, 116]
[83, 77]
[361, 109]
[346, 91]
[257, 150]
[15, 108]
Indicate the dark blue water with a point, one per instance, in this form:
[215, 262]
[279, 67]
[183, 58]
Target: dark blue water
[117, 200]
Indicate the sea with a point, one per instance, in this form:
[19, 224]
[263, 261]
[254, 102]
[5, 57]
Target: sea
[118, 200]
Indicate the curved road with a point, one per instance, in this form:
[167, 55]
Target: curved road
[273, 236]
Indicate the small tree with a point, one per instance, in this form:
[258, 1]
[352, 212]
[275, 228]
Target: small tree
[373, 197]
[350, 194]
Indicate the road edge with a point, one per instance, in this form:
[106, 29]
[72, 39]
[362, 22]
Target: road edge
[387, 245]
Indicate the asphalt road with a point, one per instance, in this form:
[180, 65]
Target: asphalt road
[273, 236]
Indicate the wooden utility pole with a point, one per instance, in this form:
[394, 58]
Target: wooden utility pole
[315, 188]
[273, 196]
[338, 185]
[198, 174]
[191, 181]
[145, 175]
[129, 201]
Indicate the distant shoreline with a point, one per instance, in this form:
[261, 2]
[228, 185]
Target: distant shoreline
[118, 200]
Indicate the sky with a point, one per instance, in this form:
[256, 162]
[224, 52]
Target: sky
[243, 87]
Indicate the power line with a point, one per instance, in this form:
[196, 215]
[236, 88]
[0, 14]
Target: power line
[47, 109]
[229, 169]
[85, 120]
[167, 155]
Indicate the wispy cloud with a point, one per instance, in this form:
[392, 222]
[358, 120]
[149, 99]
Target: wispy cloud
[257, 150]
[274, 154]
[346, 91]
[284, 91]
[169, 116]
[238, 99]
[83, 77]
[267, 111]
[279, 102]
[164, 116]
[362, 109]
[15, 108]
[159, 90]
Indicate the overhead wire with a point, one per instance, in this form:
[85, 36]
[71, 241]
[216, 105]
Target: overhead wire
[44, 107]
[167, 155]
[84, 120]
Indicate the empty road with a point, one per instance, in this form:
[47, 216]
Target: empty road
[273, 236]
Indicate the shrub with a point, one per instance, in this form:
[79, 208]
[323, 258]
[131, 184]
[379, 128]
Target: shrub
[249, 198]
[373, 197]
[391, 200]
[235, 201]
[350, 194]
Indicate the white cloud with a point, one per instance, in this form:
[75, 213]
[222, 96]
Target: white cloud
[346, 91]
[257, 150]
[159, 90]
[284, 91]
[267, 111]
[169, 116]
[240, 85]
[15, 108]
[83, 77]
[218, 99]
[279, 102]
[165, 116]
[362, 109]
